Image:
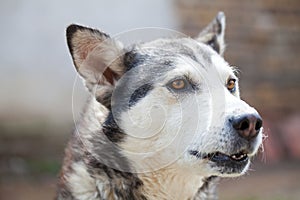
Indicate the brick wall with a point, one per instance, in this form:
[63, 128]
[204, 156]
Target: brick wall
[263, 40]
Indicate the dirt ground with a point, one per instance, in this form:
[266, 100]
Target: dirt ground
[272, 182]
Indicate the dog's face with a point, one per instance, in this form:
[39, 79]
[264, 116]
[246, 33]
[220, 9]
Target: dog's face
[176, 100]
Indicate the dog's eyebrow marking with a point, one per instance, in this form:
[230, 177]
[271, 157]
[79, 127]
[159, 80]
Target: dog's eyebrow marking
[133, 58]
[139, 93]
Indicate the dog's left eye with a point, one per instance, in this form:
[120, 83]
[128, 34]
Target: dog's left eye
[231, 84]
[178, 84]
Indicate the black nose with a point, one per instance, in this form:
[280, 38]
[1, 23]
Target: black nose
[248, 125]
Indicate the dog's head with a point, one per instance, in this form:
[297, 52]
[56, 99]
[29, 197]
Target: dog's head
[171, 101]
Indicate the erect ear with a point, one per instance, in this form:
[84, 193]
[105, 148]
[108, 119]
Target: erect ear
[97, 58]
[213, 34]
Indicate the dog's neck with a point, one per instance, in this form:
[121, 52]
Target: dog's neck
[170, 183]
[163, 184]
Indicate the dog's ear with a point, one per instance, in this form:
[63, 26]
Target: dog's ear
[97, 58]
[213, 34]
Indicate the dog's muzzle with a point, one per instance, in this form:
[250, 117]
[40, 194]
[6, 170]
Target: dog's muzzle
[246, 128]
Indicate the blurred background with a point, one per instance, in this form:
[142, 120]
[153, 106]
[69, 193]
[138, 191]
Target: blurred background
[37, 76]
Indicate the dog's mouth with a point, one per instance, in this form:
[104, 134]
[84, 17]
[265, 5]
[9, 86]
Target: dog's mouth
[237, 161]
[219, 157]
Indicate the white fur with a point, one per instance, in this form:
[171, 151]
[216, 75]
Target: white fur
[168, 183]
[175, 126]
[83, 186]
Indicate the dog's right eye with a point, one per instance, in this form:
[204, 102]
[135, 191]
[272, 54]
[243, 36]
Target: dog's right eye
[231, 85]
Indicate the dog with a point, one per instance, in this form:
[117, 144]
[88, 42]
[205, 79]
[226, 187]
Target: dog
[164, 119]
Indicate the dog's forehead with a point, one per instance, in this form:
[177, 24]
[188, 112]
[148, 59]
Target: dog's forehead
[180, 47]
[151, 61]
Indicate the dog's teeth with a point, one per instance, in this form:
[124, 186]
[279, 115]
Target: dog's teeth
[238, 157]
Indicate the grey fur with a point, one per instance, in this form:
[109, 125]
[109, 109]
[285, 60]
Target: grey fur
[94, 165]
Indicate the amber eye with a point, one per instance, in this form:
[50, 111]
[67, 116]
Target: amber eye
[178, 84]
[231, 85]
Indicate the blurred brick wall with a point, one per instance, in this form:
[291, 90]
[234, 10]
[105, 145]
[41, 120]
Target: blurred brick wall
[263, 40]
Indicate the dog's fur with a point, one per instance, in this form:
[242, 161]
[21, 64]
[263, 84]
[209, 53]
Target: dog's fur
[141, 138]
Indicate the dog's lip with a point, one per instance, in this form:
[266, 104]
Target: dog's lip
[219, 157]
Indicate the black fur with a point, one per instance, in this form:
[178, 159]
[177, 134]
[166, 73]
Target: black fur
[139, 94]
[131, 182]
[132, 59]
[112, 130]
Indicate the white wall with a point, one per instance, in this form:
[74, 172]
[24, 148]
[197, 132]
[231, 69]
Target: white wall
[36, 72]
